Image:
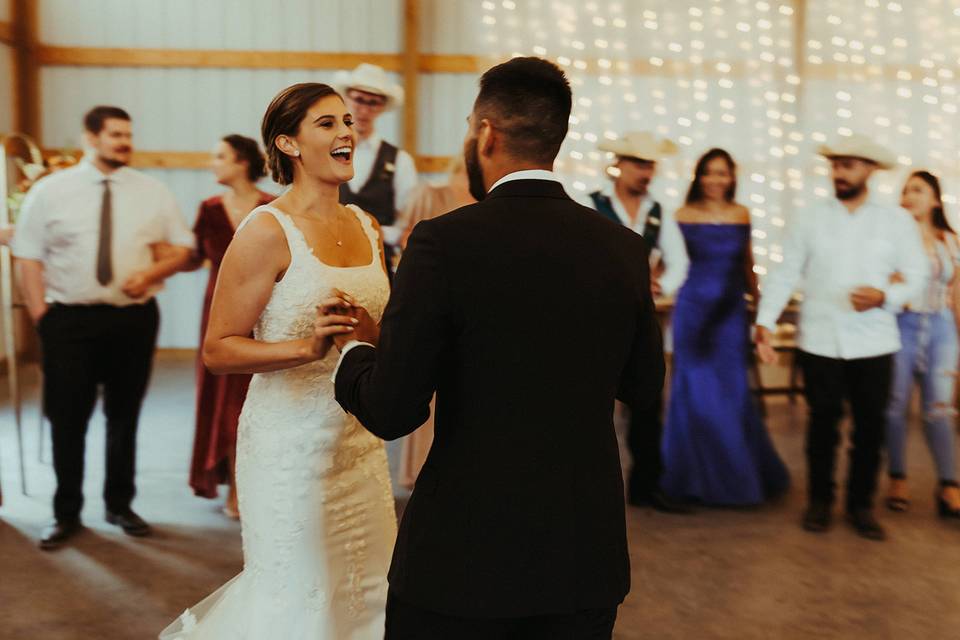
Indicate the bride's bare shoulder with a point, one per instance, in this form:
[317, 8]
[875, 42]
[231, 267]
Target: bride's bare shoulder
[260, 234]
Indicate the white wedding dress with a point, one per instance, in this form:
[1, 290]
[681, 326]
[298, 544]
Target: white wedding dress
[317, 507]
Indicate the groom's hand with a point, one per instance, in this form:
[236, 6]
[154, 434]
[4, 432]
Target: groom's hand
[365, 329]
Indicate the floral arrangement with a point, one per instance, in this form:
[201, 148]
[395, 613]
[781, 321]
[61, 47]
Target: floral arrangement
[31, 173]
[30, 170]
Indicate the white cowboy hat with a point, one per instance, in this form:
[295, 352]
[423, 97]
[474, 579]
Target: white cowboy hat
[371, 79]
[641, 145]
[862, 147]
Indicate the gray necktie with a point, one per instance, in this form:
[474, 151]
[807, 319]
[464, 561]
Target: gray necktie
[104, 259]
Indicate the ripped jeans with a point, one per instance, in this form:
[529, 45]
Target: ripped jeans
[929, 356]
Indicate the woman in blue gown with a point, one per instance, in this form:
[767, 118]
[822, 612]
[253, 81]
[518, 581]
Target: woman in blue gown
[716, 449]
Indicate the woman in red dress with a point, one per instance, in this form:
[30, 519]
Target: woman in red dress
[237, 164]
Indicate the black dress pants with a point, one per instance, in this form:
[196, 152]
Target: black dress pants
[865, 384]
[85, 347]
[407, 622]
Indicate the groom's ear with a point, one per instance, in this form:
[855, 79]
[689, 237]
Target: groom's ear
[486, 138]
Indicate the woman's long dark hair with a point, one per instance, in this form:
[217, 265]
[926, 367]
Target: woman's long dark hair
[695, 194]
[939, 217]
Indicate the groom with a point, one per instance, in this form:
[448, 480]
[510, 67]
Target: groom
[528, 314]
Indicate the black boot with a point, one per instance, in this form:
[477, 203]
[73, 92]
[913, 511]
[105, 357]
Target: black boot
[130, 522]
[58, 532]
[866, 525]
[817, 517]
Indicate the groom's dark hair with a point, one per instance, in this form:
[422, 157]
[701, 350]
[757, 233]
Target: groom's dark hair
[529, 99]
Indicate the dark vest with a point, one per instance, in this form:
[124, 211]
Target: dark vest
[651, 228]
[376, 196]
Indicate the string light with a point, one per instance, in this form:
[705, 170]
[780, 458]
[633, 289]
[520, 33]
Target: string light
[724, 73]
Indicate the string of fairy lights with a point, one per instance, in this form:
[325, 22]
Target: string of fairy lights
[736, 74]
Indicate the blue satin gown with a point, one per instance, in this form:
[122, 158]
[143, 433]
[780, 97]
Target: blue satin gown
[716, 449]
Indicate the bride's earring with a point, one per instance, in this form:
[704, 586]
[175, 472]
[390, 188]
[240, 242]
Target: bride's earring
[297, 153]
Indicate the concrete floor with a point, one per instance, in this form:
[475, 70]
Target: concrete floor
[717, 574]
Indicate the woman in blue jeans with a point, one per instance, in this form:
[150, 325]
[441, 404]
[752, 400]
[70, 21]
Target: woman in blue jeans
[929, 356]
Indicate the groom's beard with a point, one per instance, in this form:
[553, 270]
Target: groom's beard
[471, 159]
[847, 191]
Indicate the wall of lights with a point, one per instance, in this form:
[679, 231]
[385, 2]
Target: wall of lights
[767, 80]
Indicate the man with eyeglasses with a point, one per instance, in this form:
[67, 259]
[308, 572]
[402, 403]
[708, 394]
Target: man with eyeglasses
[384, 176]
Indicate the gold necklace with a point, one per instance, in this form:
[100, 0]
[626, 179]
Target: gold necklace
[338, 236]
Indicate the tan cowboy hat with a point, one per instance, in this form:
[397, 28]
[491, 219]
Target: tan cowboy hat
[371, 79]
[862, 147]
[641, 145]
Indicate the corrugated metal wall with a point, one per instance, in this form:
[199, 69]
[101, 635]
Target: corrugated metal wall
[190, 109]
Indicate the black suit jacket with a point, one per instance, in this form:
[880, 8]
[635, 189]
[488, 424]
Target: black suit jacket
[528, 314]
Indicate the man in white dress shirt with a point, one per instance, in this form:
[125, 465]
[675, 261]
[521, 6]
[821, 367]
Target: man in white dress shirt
[627, 200]
[84, 243]
[846, 251]
[384, 176]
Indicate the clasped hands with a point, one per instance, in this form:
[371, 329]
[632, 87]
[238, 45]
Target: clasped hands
[339, 320]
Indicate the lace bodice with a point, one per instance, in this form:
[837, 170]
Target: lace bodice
[291, 311]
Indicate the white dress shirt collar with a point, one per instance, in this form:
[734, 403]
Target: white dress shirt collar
[526, 174]
[646, 205]
[88, 169]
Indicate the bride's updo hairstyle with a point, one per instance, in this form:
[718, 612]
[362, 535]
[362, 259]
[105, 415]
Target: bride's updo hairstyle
[283, 117]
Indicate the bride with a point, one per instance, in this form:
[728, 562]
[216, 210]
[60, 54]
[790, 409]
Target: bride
[314, 488]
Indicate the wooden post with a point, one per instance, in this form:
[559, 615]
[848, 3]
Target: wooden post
[411, 73]
[26, 69]
[800, 47]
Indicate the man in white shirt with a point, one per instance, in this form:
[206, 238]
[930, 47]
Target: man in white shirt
[84, 244]
[846, 251]
[627, 200]
[384, 176]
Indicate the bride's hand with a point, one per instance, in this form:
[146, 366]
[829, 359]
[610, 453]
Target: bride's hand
[333, 319]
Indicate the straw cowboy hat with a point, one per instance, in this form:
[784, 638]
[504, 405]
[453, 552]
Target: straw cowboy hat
[371, 79]
[861, 147]
[641, 145]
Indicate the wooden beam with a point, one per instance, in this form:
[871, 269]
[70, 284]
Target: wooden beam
[237, 59]
[455, 63]
[26, 70]
[206, 58]
[411, 74]
[171, 159]
[151, 159]
[201, 160]
[6, 32]
[432, 164]
[866, 72]
[401, 63]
